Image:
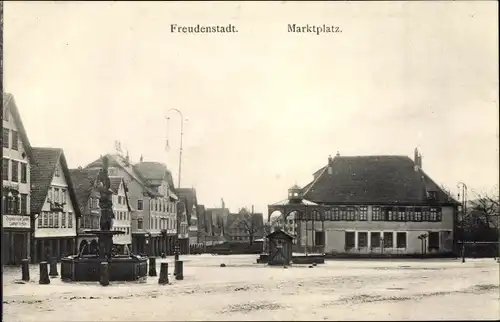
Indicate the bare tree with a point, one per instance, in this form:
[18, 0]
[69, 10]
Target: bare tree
[486, 208]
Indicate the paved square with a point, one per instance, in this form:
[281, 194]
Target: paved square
[243, 290]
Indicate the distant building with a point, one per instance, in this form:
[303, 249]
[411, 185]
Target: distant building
[16, 186]
[244, 226]
[162, 207]
[188, 195]
[375, 204]
[54, 205]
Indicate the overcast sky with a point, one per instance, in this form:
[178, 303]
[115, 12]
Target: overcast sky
[265, 107]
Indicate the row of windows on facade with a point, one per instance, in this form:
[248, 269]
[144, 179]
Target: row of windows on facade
[347, 213]
[10, 144]
[158, 223]
[18, 171]
[57, 195]
[126, 230]
[159, 205]
[55, 220]
[385, 239]
[15, 204]
[93, 203]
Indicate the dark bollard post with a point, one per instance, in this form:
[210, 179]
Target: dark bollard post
[44, 273]
[179, 270]
[163, 274]
[104, 272]
[25, 270]
[152, 266]
[53, 268]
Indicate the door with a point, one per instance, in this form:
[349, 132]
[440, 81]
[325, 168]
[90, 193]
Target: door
[20, 245]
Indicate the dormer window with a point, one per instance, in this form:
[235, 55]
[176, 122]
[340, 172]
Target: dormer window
[433, 195]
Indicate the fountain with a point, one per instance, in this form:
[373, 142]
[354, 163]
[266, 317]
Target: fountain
[125, 267]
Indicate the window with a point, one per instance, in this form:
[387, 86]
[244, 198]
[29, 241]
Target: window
[433, 240]
[139, 204]
[63, 196]
[362, 239]
[70, 220]
[24, 203]
[391, 214]
[401, 214]
[343, 213]
[363, 213]
[51, 220]
[328, 215]
[388, 240]
[45, 219]
[15, 171]
[425, 214]
[401, 240]
[63, 221]
[435, 214]
[418, 214]
[5, 169]
[50, 197]
[349, 239]
[350, 214]
[56, 195]
[56, 173]
[5, 138]
[15, 140]
[319, 238]
[40, 220]
[56, 220]
[140, 223]
[375, 239]
[376, 214]
[410, 214]
[24, 173]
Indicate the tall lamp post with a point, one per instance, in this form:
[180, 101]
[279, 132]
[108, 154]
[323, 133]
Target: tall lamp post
[182, 133]
[463, 187]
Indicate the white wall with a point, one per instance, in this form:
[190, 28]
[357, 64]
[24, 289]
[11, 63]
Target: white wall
[17, 155]
[60, 183]
[122, 219]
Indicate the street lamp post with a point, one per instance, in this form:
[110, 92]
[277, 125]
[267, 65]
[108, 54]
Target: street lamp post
[182, 133]
[464, 212]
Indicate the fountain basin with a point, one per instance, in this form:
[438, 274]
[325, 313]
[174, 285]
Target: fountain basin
[87, 268]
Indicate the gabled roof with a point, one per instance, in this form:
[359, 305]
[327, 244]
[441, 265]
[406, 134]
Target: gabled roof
[119, 161]
[189, 197]
[42, 172]
[286, 202]
[374, 179]
[115, 183]
[10, 104]
[83, 182]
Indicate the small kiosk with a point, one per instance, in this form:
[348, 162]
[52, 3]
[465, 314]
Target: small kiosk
[280, 248]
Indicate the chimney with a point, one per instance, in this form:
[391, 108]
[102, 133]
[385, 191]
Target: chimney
[330, 161]
[141, 158]
[416, 159]
[127, 159]
[252, 209]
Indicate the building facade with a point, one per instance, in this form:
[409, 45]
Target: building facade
[16, 186]
[139, 196]
[188, 196]
[122, 212]
[244, 227]
[162, 227]
[375, 205]
[54, 206]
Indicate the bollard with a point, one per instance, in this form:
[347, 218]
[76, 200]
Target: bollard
[179, 270]
[25, 270]
[44, 273]
[104, 272]
[53, 268]
[163, 274]
[152, 266]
